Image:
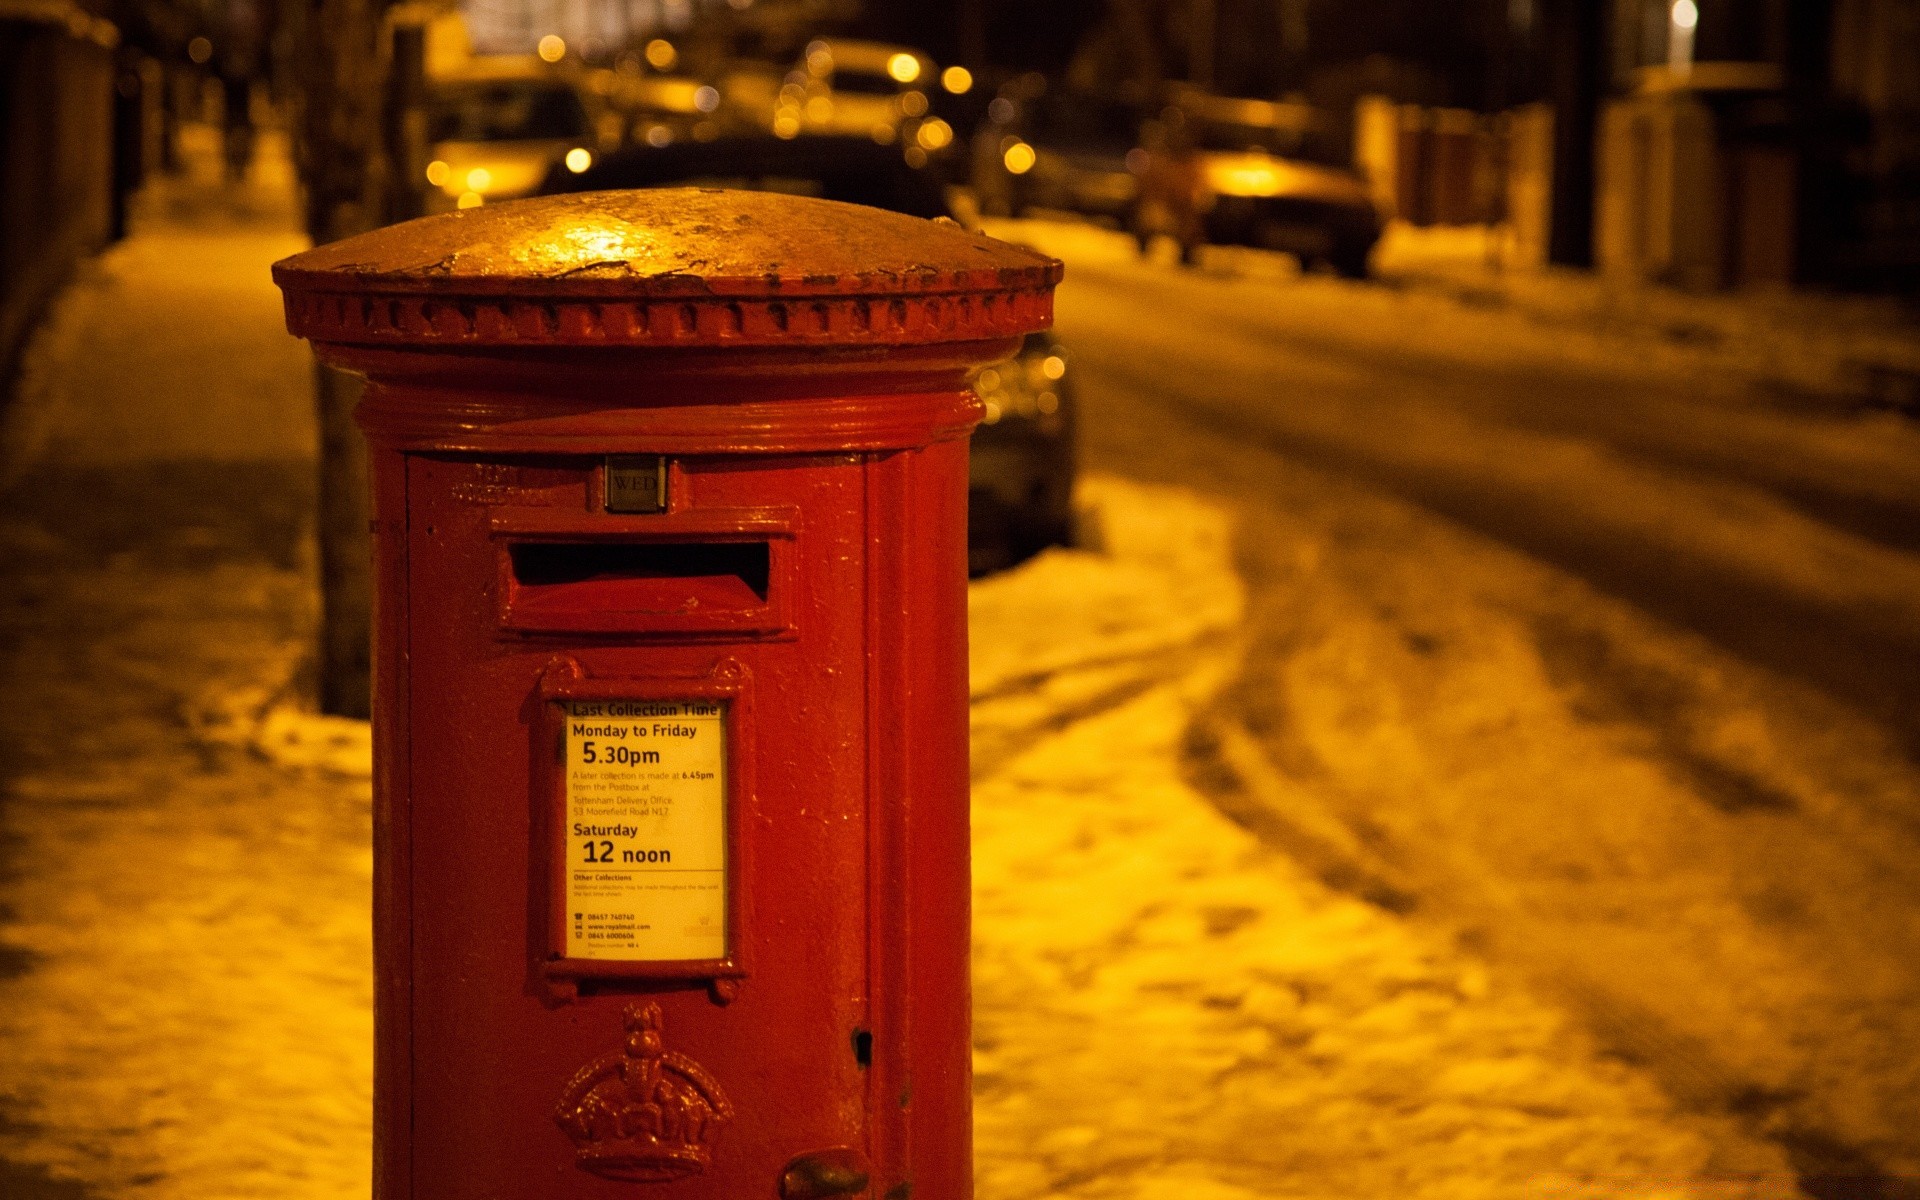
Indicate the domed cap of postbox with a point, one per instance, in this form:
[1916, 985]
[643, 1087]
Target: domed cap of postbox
[691, 267]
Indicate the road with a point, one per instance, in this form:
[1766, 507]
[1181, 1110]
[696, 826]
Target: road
[1597, 648]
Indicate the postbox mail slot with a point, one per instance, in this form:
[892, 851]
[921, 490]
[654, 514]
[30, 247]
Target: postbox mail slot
[691, 574]
[567, 582]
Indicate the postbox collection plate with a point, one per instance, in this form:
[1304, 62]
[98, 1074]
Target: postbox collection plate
[646, 786]
[646, 829]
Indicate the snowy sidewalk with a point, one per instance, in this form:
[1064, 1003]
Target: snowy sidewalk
[184, 992]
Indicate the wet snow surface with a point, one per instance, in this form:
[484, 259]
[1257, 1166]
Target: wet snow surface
[185, 1000]
[1472, 754]
[1589, 647]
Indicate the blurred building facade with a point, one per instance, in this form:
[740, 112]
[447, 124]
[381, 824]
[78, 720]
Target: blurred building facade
[1862, 175]
[602, 29]
[59, 195]
[1701, 143]
[1755, 142]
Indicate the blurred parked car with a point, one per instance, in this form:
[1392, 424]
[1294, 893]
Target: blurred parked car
[869, 89]
[661, 109]
[750, 90]
[1047, 147]
[1251, 173]
[495, 129]
[1021, 478]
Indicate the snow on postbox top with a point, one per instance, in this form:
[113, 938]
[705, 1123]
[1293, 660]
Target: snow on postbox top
[671, 267]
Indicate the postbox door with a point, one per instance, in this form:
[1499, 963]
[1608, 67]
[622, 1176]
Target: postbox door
[495, 1046]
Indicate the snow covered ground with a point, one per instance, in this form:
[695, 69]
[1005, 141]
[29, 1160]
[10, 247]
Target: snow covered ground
[1167, 1007]
[1164, 1006]
[1329, 840]
[1589, 646]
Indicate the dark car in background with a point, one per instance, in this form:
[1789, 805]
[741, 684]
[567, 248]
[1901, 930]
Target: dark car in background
[659, 109]
[496, 128]
[1022, 468]
[1225, 171]
[1046, 146]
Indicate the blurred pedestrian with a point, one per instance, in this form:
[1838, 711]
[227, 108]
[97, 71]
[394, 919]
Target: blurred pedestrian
[236, 89]
[129, 133]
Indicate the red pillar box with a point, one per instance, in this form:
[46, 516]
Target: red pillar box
[670, 700]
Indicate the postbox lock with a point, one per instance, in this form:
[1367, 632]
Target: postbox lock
[841, 1171]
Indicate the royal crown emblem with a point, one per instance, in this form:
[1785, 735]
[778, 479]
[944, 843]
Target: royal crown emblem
[646, 1114]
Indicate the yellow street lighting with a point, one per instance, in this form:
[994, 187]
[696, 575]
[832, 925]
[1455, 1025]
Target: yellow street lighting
[661, 55]
[904, 67]
[552, 48]
[934, 134]
[957, 80]
[479, 180]
[1683, 18]
[438, 173]
[1019, 158]
[579, 159]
